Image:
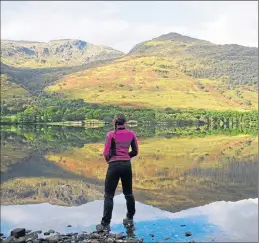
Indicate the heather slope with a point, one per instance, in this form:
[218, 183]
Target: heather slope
[153, 82]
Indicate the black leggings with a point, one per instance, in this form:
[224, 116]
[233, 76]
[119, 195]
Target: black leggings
[118, 170]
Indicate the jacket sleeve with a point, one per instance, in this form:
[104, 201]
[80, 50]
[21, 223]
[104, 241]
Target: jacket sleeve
[107, 147]
[134, 146]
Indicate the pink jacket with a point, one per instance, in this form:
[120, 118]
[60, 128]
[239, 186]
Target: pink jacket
[117, 145]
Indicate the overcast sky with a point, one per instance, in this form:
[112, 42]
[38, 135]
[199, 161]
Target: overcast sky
[121, 25]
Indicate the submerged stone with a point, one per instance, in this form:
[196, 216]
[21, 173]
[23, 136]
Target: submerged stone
[18, 232]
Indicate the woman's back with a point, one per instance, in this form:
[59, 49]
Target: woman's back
[118, 143]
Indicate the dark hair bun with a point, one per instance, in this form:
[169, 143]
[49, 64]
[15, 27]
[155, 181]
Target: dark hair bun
[120, 121]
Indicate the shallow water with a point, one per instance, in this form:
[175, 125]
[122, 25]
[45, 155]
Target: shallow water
[203, 178]
[218, 221]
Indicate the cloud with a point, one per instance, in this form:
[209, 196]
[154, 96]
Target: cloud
[121, 25]
[239, 26]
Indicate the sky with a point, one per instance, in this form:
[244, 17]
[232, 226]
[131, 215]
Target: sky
[121, 25]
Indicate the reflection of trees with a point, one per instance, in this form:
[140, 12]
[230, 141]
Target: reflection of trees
[201, 131]
[55, 138]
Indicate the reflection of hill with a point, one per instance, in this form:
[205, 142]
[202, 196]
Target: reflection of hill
[36, 180]
[87, 161]
[172, 173]
[35, 165]
[175, 185]
[161, 157]
[55, 191]
[209, 185]
[162, 171]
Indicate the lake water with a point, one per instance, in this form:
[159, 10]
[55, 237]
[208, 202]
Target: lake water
[186, 179]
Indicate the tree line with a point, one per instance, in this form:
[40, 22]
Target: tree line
[56, 109]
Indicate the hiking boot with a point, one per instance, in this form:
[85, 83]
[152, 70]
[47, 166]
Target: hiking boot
[102, 227]
[130, 232]
[128, 222]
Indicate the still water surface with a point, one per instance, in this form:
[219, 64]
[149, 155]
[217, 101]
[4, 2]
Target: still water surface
[203, 178]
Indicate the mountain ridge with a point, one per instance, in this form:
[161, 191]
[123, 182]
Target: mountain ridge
[54, 53]
[173, 36]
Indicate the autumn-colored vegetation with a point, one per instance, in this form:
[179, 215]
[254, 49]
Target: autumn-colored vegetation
[163, 157]
[153, 82]
[168, 173]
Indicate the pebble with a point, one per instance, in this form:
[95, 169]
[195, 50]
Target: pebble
[109, 240]
[52, 239]
[187, 234]
[95, 236]
[20, 240]
[111, 235]
[119, 236]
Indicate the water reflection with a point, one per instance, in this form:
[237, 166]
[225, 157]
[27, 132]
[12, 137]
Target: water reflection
[177, 169]
[218, 221]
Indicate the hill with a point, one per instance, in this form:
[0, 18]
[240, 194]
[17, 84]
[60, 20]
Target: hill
[25, 76]
[171, 71]
[22, 61]
[201, 59]
[10, 90]
[13, 97]
[56, 53]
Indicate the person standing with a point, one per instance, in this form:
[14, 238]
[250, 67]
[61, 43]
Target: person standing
[117, 155]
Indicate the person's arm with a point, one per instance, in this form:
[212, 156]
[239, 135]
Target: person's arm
[134, 146]
[107, 146]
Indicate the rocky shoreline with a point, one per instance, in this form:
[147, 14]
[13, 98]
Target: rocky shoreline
[21, 235]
